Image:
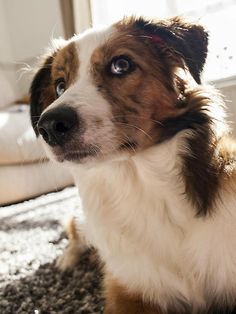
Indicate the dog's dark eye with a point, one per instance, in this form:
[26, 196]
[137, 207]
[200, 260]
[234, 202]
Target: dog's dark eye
[121, 65]
[60, 87]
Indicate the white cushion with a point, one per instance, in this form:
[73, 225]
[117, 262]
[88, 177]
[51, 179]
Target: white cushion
[18, 143]
[20, 182]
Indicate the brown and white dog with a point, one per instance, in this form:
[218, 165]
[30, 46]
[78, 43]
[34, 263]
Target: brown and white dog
[124, 107]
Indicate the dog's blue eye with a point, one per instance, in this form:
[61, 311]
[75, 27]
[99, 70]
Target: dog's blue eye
[121, 65]
[60, 87]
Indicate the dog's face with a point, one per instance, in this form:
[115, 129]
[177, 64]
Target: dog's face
[110, 92]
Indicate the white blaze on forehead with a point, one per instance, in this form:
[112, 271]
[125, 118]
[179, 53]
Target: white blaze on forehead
[87, 42]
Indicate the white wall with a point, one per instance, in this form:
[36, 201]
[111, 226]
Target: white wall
[26, 28]
[5, 51]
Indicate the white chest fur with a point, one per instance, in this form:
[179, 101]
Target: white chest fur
[146, 230]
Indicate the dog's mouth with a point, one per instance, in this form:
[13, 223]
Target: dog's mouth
[77, 156]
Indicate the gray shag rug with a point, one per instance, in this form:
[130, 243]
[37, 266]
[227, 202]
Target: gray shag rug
[31, 238]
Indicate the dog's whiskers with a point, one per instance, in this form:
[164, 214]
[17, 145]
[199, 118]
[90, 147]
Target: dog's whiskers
[138, 117]
[136, 127]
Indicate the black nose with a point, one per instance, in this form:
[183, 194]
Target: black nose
[56, 125]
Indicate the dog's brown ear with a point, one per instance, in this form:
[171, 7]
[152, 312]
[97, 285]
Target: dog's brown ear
[188, 40]
[42, 92]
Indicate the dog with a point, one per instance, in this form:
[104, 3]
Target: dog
[124, 108]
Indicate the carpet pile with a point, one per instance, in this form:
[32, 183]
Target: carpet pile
[31, 238]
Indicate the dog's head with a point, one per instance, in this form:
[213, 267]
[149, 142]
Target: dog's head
[110, 92]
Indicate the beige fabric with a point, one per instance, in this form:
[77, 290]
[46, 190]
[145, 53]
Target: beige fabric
[18, 143]
[20, 182]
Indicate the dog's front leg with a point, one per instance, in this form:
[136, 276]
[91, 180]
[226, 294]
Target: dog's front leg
[77, 245]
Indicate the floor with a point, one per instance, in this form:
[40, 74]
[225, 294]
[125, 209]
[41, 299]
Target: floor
[31, 238]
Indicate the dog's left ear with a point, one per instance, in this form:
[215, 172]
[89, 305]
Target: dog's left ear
[41, 92]
[188, 40]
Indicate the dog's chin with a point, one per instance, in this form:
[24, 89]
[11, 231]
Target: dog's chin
[88, 158]
[68, 155]
[87, 154]
[76, 157]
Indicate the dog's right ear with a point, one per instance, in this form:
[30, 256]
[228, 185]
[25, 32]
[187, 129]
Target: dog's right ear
[42, 92]
[186, 40]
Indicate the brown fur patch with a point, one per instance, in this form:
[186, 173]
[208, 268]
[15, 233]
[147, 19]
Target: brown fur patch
[176, 37]
[119, 301]
[63, 63]
[201, 171]
[75, 246]
[208, 159]
[71, 229]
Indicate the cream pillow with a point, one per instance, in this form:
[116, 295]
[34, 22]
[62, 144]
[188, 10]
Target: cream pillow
[22, 182]
[18, 143]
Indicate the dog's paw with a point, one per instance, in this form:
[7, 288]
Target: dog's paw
[69, 258]
[77, 245]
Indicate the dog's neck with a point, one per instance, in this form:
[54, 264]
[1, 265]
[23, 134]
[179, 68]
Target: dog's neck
[137, 212]
[149, 170]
